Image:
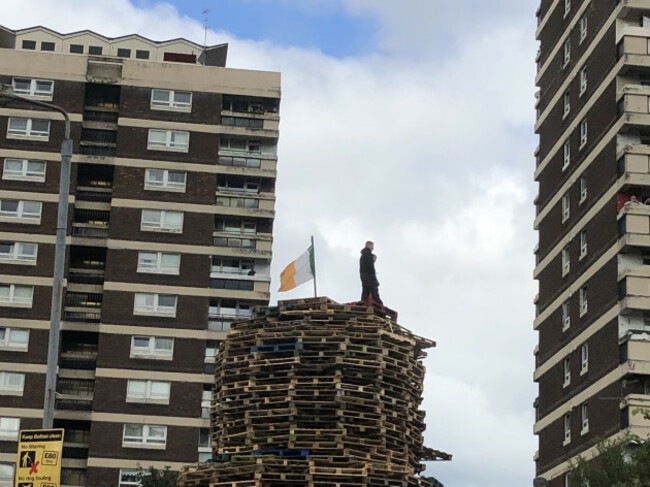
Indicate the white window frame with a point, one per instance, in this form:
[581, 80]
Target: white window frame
[583, 133]
[566, 53]
[151, 351]
[16, 301]
[145, 439]
[566, 101]
[567, 7]
[6, 478]
[583, 300]
[583, 244]
[20, 213]
[155, 309]
[206, 403]
[34, 91]
[566, 261]
[9, 428]
[29, 132]
[10, 342]
[171, 103]
[150, 224]
[164, 185]
[566, 206]
[17, 254]
[148, 396]
[169, 143]
[25, 174]
[584, 358]
[583, 188]
[566, 316]
[152, 263]
[583, 80]
[12, 383]
[566, 367]
[566, 148]
[584, 413]
[583, 27]
[129, 483]
[567, 429]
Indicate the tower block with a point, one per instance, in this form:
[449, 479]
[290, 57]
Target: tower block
[319, 394]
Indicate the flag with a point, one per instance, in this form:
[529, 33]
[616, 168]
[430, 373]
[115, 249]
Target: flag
[299, 271]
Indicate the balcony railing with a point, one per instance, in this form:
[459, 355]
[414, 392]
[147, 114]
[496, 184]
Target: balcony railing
[90, 230]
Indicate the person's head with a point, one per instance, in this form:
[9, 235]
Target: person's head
[370, 245]
[633, 198]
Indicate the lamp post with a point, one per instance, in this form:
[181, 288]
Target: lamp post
[6, 91]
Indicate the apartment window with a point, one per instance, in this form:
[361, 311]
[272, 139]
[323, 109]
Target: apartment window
[239, 144]
[154, 304]
[180, 100]
[7, 473]
[12, 383]
[583, 300]
[9, 428]
[566, 53]
[29, 45]
[585, 419]
[239, 161]
[152, 347]
[206, 399]
[14, 338]
[237, 202]
[159, 263]
[567, 480]
[567, 429]
[151, 391]
[583, 27]
[205, 452]
[17, 252]
[224, 265]
[236, 226]
[95, 50]
[164, 179]
[21, 210]
[41, 88]
[24, 170]
[584, 358]
[566, 316]
[567, 154]
[15, 295]
[567, 371]
[583, 188]
[566, 261]
[76, 49]
[47, 46]
[583, 243]
[161, 221]
[567, 7]
[28, 127]
[583, 80]
[123, 52]
[567, 102]
[583, 133]
[140, 54]
[144, 435]
[566, 206]
[129, 478]
[176, 140]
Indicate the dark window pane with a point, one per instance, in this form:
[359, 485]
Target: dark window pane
[95, 50]
[76, 48]
[29, 44]
[124, 53]
[47, 46]
[141, 54]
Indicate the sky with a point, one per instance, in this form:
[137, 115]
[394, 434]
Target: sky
[409, 123]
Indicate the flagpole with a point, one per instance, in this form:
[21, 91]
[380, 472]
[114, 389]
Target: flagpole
[314, 269]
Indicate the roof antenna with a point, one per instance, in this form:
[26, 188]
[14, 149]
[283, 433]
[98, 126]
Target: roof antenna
[206, 16]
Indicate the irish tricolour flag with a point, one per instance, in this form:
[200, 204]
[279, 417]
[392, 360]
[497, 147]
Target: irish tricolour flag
[301, 270]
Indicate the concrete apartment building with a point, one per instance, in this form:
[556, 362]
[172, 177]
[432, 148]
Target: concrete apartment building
[593, 255]
[170, 230]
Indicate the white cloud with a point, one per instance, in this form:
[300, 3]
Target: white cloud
[426, 148]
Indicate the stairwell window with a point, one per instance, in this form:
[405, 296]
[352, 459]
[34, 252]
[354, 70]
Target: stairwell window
[152, 347]
[165, 180]
[584, 358]
[14, 339]
[566, 316]
[148, 391]
[585, 419]
[567, 154]
[21, 210]
[583, 243]
[18, 252]
[567, 371]
[169, 140]
[24, 170]
[162, 221]
[159, 263]
[583, 300]
[151, 304]
[144, 436]
[583, 133]
[9, 428]
[22, 128]
[15, 295]
[34, 88]
[171, 100]
[566, 206]
[12, 383]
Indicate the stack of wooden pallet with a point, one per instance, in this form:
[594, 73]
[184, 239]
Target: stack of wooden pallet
[320, 394]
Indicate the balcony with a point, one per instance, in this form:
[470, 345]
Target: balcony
[246, 205]
[82, 307]
[242, 244]
[75, 394]
[90, 223]
[634, 228]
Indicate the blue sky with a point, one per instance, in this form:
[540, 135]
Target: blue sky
[324, 25]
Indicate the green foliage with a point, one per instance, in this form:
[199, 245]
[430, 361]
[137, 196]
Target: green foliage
[619, 463]
[158, 478]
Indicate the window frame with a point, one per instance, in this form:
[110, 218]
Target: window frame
[24, 175]
[583, 300]
[566, 147]
[583, 26]
[172, 104]
[128, 483]
[148, 226]
[12, 435]
[567, 429]
[17, 256]
[168, 144]
[584, 358]
[566, 367]
[566, 261]
[13, 301]
[583, 80]
[583, 188]
[148, 396]
[566, 101]
[166, 185]
[583, 243]
[7, 389]
[145, 437]
[151, 351]
[155, 309]
[584, 413]
[159, 267]
[6, 341]
[566, 315]
[566, 53]
[29, 133]
[567, 7]
[33, 91]
[583, 133]
[566, 206]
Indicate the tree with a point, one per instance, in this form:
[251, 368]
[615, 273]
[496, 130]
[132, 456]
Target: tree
[158, 478]
[624, 462]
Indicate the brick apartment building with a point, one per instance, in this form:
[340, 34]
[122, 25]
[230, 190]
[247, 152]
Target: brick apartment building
[593, 256]
[170, 229]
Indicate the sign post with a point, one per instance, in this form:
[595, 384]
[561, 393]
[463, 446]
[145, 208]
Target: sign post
[39, 458]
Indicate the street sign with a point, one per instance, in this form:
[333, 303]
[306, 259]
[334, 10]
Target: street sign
[39, 458]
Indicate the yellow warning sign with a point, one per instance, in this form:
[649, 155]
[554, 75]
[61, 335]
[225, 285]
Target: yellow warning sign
[39, 458]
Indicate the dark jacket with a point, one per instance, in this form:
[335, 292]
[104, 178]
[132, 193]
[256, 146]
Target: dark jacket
[367, 263]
